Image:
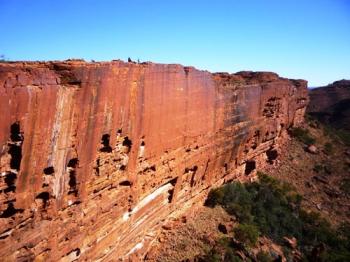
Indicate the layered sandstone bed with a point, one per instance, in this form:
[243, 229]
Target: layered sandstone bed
[94, 157]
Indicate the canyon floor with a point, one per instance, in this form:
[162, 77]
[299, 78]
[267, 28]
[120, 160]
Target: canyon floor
[321, 177]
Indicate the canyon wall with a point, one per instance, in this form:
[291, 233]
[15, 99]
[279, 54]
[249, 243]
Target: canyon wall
[94, 157]
[331, 104]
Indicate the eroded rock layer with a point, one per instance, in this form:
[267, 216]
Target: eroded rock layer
[96, 156]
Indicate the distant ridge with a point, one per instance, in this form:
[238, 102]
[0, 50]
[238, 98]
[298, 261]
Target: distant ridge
[331, 104]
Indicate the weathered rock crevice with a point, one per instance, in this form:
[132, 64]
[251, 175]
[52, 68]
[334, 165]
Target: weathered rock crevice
[98, 156]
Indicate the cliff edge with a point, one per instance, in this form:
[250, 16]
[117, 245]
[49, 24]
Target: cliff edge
[94, 157]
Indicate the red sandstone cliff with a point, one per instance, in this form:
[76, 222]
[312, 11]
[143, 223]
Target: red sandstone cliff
[95, 156]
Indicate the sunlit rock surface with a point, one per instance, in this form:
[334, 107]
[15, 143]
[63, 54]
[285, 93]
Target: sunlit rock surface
[94, 157]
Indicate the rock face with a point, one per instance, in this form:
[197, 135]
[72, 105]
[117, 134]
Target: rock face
[331, 104]
[94, 157]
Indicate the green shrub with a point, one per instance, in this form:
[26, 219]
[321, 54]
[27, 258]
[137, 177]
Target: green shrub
[247, 234]
[328, 148]
[344, 232]
[273, 208]
[215, 197]
[264, 257]
[234, 198]
[242, 212]
[211, 257]
[345, 186]
[318, 168]
[344, 136]
[337, 134]
[342, 251]
[302, 135]
[295, 199]
[231, 256]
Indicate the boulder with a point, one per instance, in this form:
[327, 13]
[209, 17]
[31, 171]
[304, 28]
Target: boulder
[291, 242]
[312, 149]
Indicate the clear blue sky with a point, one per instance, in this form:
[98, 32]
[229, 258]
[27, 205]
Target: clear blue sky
[307, 39]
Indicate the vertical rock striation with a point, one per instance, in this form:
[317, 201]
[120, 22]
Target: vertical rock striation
[94, 157]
